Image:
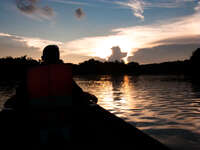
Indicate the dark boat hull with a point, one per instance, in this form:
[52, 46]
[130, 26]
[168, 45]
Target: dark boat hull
[90, 126]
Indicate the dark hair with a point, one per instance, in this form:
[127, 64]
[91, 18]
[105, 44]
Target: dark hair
[51, 54]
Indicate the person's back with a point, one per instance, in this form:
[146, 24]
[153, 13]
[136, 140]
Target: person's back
[50, 106]
[50, 86]
[52, 78]
[51, 96]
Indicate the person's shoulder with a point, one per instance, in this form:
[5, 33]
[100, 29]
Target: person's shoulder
[36, 68]
[65, 66]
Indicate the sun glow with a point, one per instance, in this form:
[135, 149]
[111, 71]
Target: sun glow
[103, 52]
[103, 48]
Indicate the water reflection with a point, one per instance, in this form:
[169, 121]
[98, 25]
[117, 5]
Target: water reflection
[163, 106]
[116, 87]
[7, 90]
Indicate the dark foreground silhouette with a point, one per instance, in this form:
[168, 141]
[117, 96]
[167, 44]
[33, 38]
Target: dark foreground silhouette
[50, 111]
[88, 127]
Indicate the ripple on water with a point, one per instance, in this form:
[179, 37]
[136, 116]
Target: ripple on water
[163, 106]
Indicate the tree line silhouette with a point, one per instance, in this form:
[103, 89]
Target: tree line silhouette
[15, 68]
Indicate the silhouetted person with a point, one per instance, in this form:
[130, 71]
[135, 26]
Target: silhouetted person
[51, 55]
[51, 100]
[52, 69]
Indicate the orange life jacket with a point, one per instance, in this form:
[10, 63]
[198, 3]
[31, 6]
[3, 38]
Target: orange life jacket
[50, 91]
[50, 86]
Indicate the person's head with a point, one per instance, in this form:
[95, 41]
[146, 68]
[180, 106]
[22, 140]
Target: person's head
[51, 54]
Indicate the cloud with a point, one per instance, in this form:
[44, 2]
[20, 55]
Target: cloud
[12, 45]
[167, 3]
[163, 53]
[32, 9]
[99, 46]
[77, 58]
[137, 7]
[180, 31]
[197, 8]
[70, 2]
[15, 46]
[151, 35]
[179, 40]
[116, 55]
[79, 13]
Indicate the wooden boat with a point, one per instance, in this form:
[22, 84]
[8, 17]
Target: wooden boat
[90, 127]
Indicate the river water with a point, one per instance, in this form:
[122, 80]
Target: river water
[165, 107]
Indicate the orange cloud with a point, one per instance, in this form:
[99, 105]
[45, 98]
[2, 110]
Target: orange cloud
[130, 39]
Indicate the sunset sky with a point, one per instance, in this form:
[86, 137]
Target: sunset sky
[146, 31]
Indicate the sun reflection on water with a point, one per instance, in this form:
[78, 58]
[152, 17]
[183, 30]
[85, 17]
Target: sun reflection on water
[162, 106]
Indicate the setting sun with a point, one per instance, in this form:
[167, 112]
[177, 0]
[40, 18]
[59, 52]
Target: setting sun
[103, 48]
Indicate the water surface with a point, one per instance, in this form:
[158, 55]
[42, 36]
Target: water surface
[165, 107]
